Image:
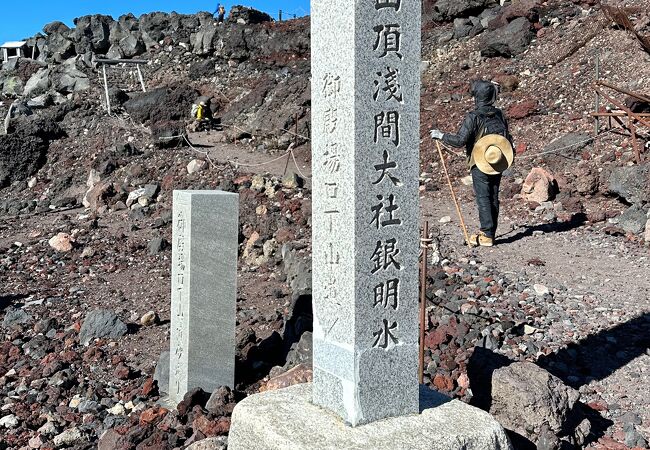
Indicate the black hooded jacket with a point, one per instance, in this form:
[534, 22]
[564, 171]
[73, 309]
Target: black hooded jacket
[485, 94]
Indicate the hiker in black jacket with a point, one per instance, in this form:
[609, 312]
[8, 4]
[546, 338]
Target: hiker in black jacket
[488, 147]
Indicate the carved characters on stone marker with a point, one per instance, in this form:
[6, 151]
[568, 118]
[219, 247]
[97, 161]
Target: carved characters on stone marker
[387, 294]
[387, 126]
[384, 212]
[388, 94]
[180, 304]
[381, 4]
[387, 86]
[388, 40]
[385, 336]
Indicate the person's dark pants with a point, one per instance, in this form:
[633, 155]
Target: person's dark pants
[486, 189]
[220, 18]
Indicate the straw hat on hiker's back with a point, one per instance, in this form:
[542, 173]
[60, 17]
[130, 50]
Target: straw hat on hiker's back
[492, 154]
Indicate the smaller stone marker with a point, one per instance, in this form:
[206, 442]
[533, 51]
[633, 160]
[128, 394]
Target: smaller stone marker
[204, 291]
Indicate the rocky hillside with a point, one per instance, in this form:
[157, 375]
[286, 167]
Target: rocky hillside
[85, 209]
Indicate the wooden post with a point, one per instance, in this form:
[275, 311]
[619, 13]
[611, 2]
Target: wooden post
[597, 119]
[8, 118]
[295, 138]
[144, 89]
[280, 16]
[108, 100]
[635, 142]
[423, 298]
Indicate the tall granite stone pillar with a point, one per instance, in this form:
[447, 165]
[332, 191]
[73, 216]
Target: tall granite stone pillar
[365, 126]
[204, 290]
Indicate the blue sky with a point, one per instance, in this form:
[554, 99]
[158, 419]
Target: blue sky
[20, 20]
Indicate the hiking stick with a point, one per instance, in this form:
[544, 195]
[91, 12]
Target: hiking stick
[453, 195]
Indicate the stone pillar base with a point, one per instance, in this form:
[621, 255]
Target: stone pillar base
[286, 419]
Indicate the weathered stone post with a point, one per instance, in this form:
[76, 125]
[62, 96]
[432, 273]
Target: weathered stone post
[204, 290]
[365, 122]
[365, 165]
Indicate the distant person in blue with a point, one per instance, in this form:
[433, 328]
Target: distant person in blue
[220, 12]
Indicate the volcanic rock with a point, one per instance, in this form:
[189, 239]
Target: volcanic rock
[525, 398]
[540, 186]
[101, 323]
[447, 10]
[62, 242]
[14, 317]
[508, 41]
[633, 220]
[632, 183]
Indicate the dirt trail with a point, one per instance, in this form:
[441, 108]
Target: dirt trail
[606, 287]
[587, 261]
[257, 162]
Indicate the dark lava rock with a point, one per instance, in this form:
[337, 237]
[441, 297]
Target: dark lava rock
[245, 15]
[632, 183]
[161, 374]
[633, 220]
[508, 41]
[14, 317]
[101, 323]
[219, 401]
[157, 245]
[161, 104]
[448, 10]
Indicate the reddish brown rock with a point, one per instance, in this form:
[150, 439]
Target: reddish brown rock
[296, 375]
[443, 383]
[507, 82]
[152, 416]
[211, 428]
[540, 186]
[523, 109]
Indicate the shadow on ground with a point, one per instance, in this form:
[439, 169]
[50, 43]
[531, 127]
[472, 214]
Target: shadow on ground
[557, 227]
[11, 299]
[593, 358]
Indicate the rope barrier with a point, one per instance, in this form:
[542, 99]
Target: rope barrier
[288, 153]
[297, 167]
[566, 147]
[556, 150]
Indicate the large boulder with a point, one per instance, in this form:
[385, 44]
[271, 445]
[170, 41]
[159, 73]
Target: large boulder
[38, 84]
[529, 400]
[632, 183]
[155, 25]
[244, 15]
[539, 186]
[57, 47]
[23, 151]
[69, 78]
[92, 34]
[12, 86]
[132, 45]
[510, 40]
[55, 27]
[161, 104]
[448, 10]
[203, 40]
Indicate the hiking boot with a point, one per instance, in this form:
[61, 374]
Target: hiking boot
[481, 240]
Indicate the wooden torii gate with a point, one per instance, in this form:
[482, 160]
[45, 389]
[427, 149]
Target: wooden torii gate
[115, 62]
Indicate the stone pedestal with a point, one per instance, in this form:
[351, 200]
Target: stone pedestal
[365, 122]
[287, 419]
[204, 291]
